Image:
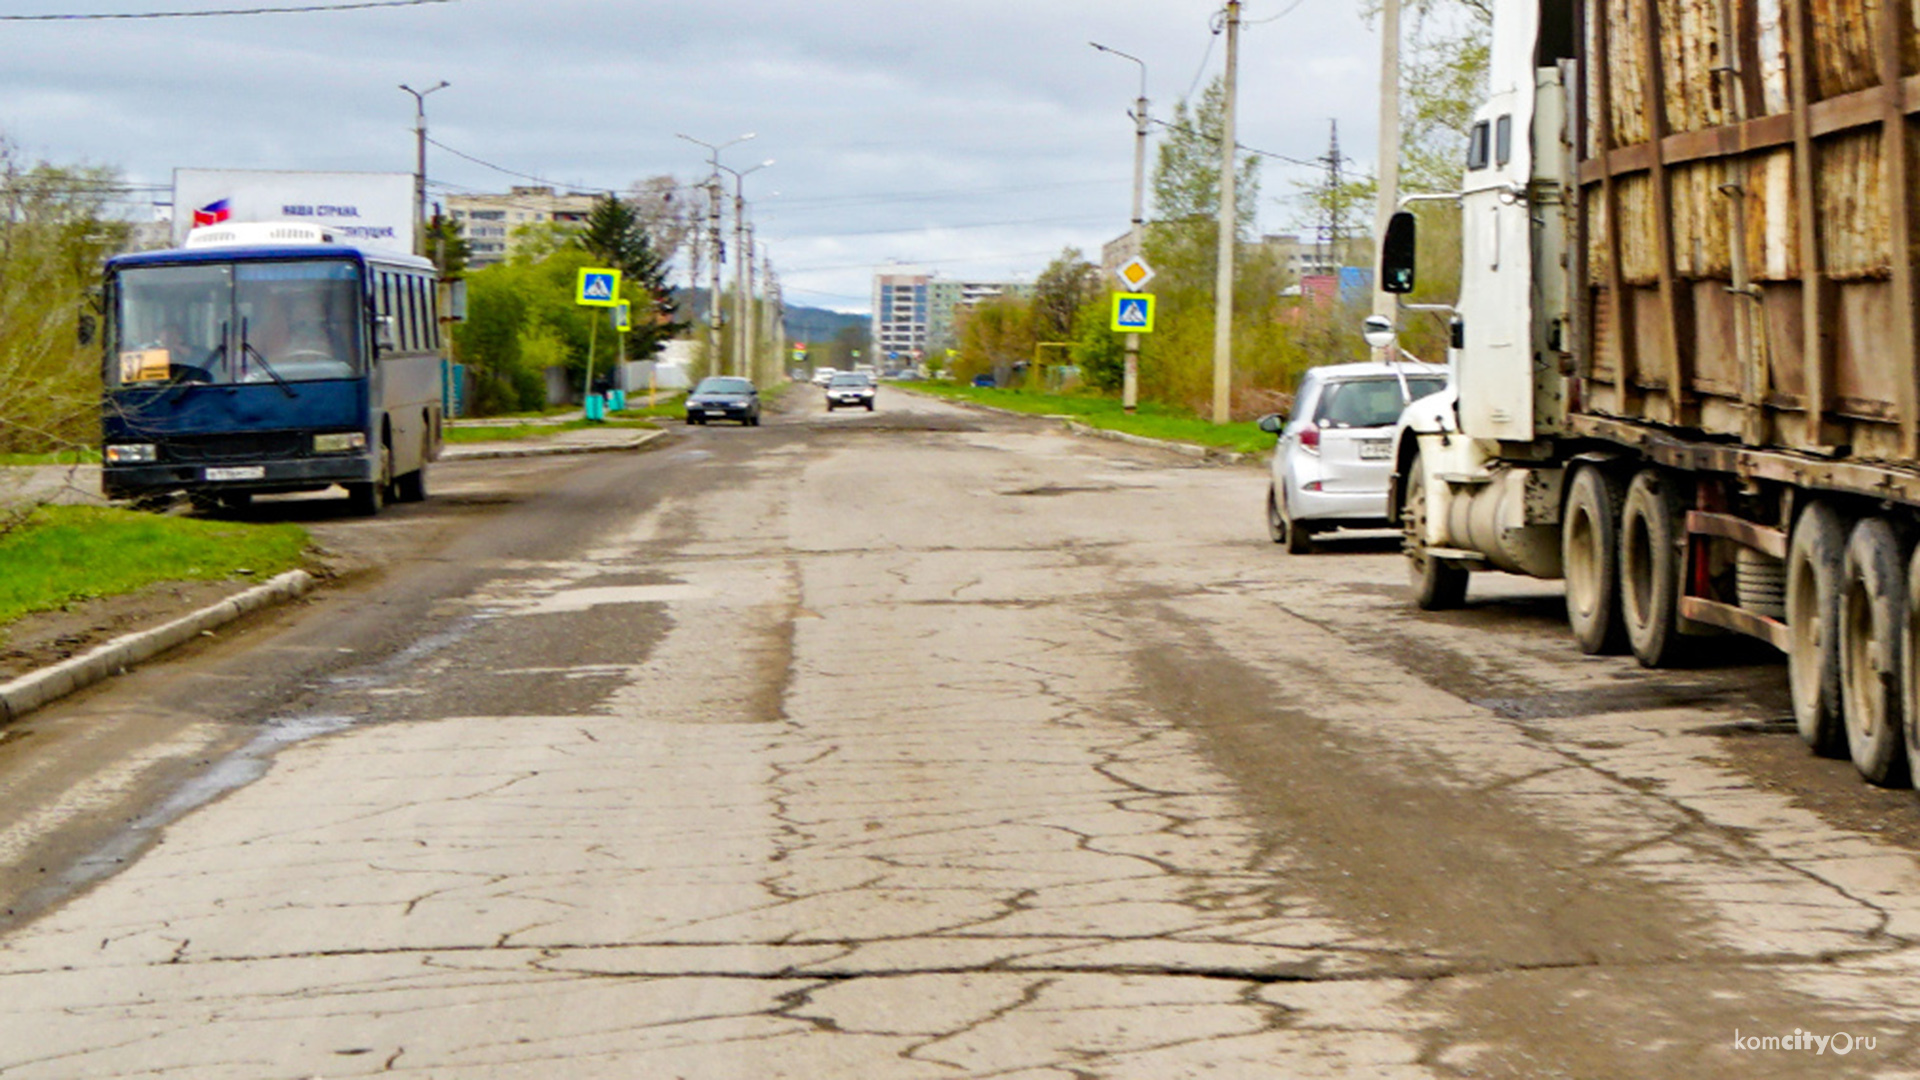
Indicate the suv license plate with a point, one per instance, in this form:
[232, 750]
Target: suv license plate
[1375, 449]
[238, 472]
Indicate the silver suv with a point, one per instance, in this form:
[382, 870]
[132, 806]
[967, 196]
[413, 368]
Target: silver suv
[1333, 462]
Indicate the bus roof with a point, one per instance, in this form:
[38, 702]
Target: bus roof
[264, 253]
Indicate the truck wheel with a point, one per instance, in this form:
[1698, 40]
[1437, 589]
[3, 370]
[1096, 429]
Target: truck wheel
[1437, 583]
[1814, 557]
[1590, 546]
[1652, 531]
[412, 487]
[1873, 614]
[1910, 662]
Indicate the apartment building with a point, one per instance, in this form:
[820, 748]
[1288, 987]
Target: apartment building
[490, 220]
[914, 313]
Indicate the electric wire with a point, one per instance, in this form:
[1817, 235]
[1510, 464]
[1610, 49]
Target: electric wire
[303, 9]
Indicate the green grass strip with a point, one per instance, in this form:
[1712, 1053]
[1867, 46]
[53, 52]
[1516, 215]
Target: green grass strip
[65, 554]
[1152, 420]
[494, 433]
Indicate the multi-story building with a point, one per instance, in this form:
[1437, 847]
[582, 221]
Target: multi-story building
[913, 314]
[900, 315]
[490, 220]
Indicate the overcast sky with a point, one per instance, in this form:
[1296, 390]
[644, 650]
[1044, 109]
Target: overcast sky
[974, 138]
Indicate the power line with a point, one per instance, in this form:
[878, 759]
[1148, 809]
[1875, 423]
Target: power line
[304, 9]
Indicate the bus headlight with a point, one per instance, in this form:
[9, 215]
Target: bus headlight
[339, 442]
[131, 454]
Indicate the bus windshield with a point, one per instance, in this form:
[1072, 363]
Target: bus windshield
[243, 322]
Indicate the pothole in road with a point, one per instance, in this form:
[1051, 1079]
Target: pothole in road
[1050, 490]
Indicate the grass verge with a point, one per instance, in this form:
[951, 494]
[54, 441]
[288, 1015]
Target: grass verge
[495, 433]
[1152, 420]
[65, 554]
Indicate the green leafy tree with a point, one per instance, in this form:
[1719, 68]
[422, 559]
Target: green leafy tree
[55, 234]
[1186, 172]
[447, 246]
[616, 235]
[1061, 290]
[995, 335]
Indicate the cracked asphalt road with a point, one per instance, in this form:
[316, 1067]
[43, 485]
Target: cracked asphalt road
[933, 744]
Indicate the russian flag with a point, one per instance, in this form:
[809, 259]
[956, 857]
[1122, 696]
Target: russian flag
[212, 214]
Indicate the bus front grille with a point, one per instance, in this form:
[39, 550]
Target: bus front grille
[235, 447]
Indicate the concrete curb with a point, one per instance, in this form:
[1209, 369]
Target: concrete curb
[1192, 450]
[35, 689]
[482, 452]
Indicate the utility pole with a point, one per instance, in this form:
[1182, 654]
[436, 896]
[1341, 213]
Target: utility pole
[714, 364]
[1388, 168]
[719, 253]
[1229, 231]
[1130, 378]
[750, 316]
[420, 163]
[742, 273]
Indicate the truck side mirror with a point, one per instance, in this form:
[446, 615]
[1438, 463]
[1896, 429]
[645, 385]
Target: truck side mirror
[1396, 253]
[457, 299]
[85, 329]
[383, 335]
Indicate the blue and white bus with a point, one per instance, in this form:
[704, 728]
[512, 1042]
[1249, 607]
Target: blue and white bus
[265, 358]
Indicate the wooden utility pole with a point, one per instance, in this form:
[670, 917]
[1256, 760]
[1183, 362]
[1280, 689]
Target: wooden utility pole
[1229, 232]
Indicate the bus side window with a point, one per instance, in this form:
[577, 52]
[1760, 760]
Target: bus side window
[419, 328]
[419, 314]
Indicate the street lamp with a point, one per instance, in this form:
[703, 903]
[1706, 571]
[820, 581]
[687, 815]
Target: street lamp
[742, 301]
[420, 162]
[713, 231]
[1130, 381]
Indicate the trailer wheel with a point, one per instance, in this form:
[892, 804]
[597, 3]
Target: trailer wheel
[1590, 546]
[1437, 583]
[1873, 615]
[1651, 541]
[1814, 557]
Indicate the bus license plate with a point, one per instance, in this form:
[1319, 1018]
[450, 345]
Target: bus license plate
[1375, 449]
[237, 472]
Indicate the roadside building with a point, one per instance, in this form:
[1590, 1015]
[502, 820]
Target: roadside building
[491, 220]
[914, 313]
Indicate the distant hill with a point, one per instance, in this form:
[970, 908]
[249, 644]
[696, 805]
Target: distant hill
[809, 324]
[819, 324]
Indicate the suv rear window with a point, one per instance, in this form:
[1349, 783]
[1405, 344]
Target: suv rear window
[1371, 402]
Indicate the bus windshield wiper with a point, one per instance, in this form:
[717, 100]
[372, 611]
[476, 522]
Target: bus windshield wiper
[246, 348]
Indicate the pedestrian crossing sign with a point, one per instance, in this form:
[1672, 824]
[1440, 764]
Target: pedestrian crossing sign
[597, 287]
[1133, 313]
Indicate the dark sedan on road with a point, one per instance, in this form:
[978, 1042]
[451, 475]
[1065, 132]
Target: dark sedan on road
[724, 398]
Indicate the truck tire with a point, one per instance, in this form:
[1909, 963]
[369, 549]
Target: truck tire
[1873, 616]
[1814, 556]
[1437, 583]
[1652, 542]
[1910, 663]
[1590, 547]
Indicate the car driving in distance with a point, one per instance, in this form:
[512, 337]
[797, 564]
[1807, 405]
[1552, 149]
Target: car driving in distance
[851, 388]
[724, 397]
[1333, 462]
[823, 376]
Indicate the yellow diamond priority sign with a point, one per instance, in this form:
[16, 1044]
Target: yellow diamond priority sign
[1133, 313]
[1135, 273]
[597, 287]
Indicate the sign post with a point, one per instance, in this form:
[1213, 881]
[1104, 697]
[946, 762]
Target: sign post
[622, 322]
[596, 287]
[1134, 275]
